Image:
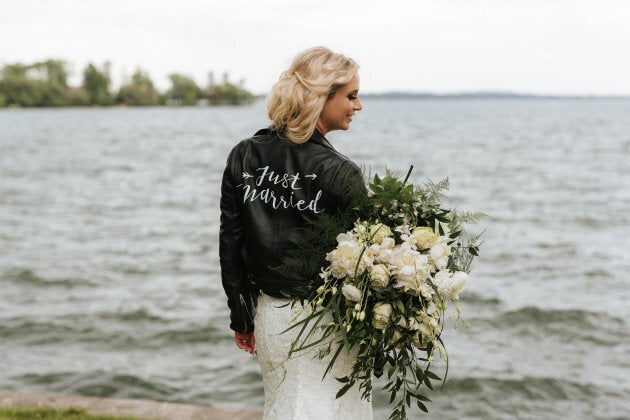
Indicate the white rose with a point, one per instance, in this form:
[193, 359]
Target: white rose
[351, 293]
[425, 237]
[442, 280]
[450, 285]
[439, 253]
[379, 276]
[458, 279]
[343, 259]
[383, 252]
[345, 237]
[410, 267]
[382, 313]
[388, 243]
[379, 232]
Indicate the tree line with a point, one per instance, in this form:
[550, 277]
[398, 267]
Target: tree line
[45, 84]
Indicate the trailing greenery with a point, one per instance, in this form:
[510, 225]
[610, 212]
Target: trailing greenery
[384, 288]
[45, 84]
[54, 414]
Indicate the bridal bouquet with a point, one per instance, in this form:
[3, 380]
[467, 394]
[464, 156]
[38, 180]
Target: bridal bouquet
[387, 285]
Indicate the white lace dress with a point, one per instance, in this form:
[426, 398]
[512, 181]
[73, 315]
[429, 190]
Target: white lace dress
[294, 388]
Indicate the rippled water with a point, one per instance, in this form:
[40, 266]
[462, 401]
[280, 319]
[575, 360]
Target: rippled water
[109, 274]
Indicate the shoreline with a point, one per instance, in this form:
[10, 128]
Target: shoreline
[142, 409]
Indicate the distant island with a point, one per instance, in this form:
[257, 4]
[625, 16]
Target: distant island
[45, 84]
[482, 95]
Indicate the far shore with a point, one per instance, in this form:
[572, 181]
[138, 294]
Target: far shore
[141, 409]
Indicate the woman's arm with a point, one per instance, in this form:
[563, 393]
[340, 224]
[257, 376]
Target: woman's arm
[233, 275]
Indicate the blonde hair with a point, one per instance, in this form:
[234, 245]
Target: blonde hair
[298, 97]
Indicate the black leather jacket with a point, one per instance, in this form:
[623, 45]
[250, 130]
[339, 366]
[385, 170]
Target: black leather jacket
[271, 187]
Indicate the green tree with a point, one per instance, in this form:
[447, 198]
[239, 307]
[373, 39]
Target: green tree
[184, 90]
[53, 71]
[96, 84]
[17, 88]
[39, 84]
[227, 93]
[50, 78]
[139, 91]
[77, 96]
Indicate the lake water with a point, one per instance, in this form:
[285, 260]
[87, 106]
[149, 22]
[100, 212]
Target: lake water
[109, 273]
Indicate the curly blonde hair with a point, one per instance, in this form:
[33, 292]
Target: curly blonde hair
[298, 97]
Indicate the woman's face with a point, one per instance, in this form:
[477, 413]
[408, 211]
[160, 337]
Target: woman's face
[339, 109]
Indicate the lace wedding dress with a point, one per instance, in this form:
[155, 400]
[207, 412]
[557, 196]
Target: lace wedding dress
[294, 388]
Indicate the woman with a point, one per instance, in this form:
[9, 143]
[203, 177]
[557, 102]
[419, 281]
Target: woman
[274, 183]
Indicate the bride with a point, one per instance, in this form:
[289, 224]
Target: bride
[274, 183]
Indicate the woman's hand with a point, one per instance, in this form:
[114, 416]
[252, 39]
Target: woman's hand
[246, 342]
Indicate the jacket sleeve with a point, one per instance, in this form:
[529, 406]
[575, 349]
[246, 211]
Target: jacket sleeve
[349, 188]
[241, 299]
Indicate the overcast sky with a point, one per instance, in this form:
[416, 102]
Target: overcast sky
[527, 46]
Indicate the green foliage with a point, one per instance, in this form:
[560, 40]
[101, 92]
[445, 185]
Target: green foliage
[96, 85]
[54, 414]
[78, 97]
[139, 91]
[39, 84]
[183, 91]
[227, 93]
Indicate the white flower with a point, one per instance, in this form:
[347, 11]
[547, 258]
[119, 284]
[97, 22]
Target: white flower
[388, 243]
[379, 275]
[382, 313]
[424, 237]
[450, 285]
[425, 290]
[351, 293]
[458, 279]
[439, 253]
[378, 232]
[383, 252]
[411, 269]
[361, 230]
[345, 237]
[344, 258]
